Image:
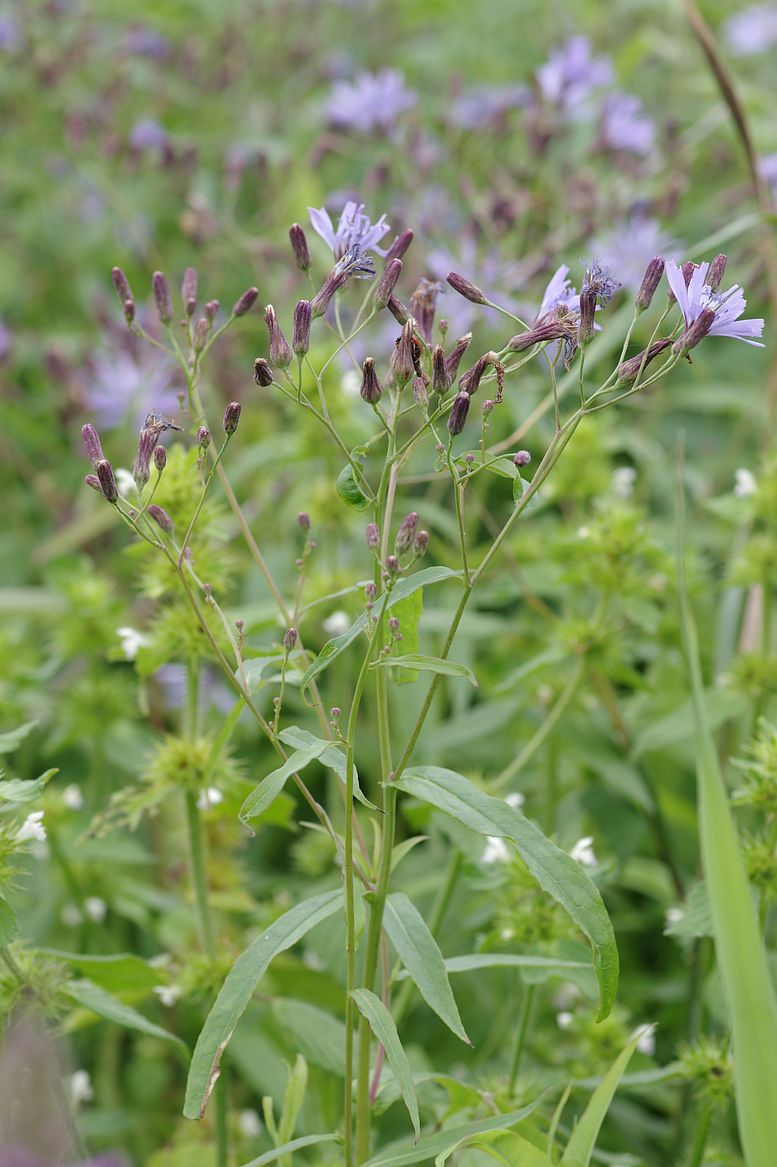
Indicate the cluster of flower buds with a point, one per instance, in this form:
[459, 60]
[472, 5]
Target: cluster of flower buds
[103, 479]
[410, 543]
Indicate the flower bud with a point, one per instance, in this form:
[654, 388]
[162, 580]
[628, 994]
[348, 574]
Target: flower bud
[146, 445]
[629, 370]
[201, 333]
[387, 282]
[93, 481]
[650, 281]
[585, 333]
[303, 521]
[211, 310]
[129, 311]
[406, 534]
[299, 245]
[695, 332]
[469, 382]
[466, 288]
[160, 458]
[92, 443]
[189, 290]
[453, 360]
[716, 272]
[399, 246]
[392, 564]
[370, 592]
[289, 639]
[203, 437]
[373, 536]
[162, 297]
[398, 310]
[262, 373]
[280, 353]
[423, 306]
[121, 284]
[303, 318]
[160, 516]
[420, 391]
[402, 361]
[522, 458]
[458, 413]
[231, 418]
[421, 543]
[107, 480]
[440, 380]
[246, 301]
[371, 389]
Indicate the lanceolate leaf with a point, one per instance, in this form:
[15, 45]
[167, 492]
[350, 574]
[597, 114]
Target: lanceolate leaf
[271, 786]
[515, 1151]
[582, 1142]
[555, 871]
[104, 1004]
[239, 987]
[423, 960]
[427, 664]
[295, 1145]
[438, 1143]
[382, 1025]
[333, 757]
[25, 789]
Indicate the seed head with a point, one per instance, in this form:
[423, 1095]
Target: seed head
[162, 297]
[299, 246]
[107, 480]
[466, 288]
[458, 413]
[280, 353]
[398, 310]
[146, 445]
[231, 418]
[650, 281]
[371, 388]
[303, 318]
[160, 516]
[246, 302]
[262, 373]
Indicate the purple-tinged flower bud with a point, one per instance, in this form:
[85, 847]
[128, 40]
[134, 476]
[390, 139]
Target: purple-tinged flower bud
[406, 534]
[93, 481]
[421, 543]
[129, 311]
[373, 536]
[299, 245]
[203, 437]
[121, 284]
[335, 712]
[629, 370]
[231, 418]
[403, 358]
[440, 381]
[92, 443]
[370, 592]
[466, 288]
[585, 332]
[420, 391]
[550, 328]
[453, 360]
[160, 516]
[650, 281]
[146, 445]
[262, 373]
[246, 302]
[371, 389]
[469, 382]
[695, 332]
[289, 639]
[303, 521]
[162, 297]
[387, 282]
[107, 480]
[160, 458]
[522, 458]
[393, 623]
[392, 564]
[716, 272]
[398, 310]
[487, 407]
[201, 333]
[399, 246]
[303, 318]
[211, 310]
[458, 413]
[423, 306]
[280, 353]
[189, 290]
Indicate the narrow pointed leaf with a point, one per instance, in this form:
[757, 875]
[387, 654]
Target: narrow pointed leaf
[332, 757]
[428, 1146]
[427, 664]
[382, 1025]
[270, 787]
[518, 1152]
[104, 1004]
[582, 1141]
[287, 1148]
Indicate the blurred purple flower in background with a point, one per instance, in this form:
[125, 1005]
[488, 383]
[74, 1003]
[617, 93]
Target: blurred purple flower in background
[490, 271]
[124, 386]
[624, 126]
[373, 101]
[148, 134]
[727, 306]
[484, 106]
[752, 31]
[768, 168]
[173, 682]
[354, 230]
[147, 42]
[571, 74]
[10, 34]
[629, 247]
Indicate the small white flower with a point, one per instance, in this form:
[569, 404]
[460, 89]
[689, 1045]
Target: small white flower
[351, 383]
[32, 829]
[495, 850]
[583, 532]
[507, 933]
[564, 1019]
[647, 1041]
[72, 797]
[744, 482]
[674, 916]
[71, 916]
[210, 797]
[161, 960]
[516, 800]
[250, 1124]
[566, 996]
[623, 480]
[95, 908]
[336, 624]
[124, 480]
[583, 852]
[131, 640]
[168, 994]
[80, 1088]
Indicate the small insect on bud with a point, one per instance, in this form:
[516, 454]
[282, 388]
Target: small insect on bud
[246, 302]
[406, 534]
[160, 516]
[189, 290]
[392, 564]
[695, 332]
[650, 281]
[387, 282]
[371, 388]
[262, 373]
[211, 310]
[203, 437]
[299, 245]
[289, 639]
[716, 272]
[280, 353]
[92, 443]
[121, 284]
[107, 480]
[231, 418]
[421, 543]
[585, 332]
[93, 481]
[466, 288]
[458, 413]
[522, 458]
[440, 381]
[399, 246]
[201, 333]
[162, 297]
[303, 318]
[303, 521]
[160, 458]
[373, 536]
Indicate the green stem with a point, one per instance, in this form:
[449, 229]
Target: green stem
[520, 1038]
[701, 1134]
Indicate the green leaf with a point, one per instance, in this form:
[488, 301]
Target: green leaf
[254, 668]
[8, 925]
[333, 757]
[121, 973]
[441, 1141]
[239, 987]
[427, 664]
[382, 1025]
[349, 490]
[521, 1152]
[423, 960]
[293, 1098]
[409, 611]
[480, 960]
[555, 871]
[317, 1034]
[295, 1145]
[104, 1004]
[18, 790]
[582, 1141]
[678, 726]
[271, 786]
[13, 739]
[404, 588]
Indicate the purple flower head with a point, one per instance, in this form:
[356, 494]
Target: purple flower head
[727, 306]
[752, 31]
[624, 126]
[571, 74]
[559, 293]
[600, 281]
[355, 231]
[630, 246]
[373, 101]
[147, 134]
[486, 105]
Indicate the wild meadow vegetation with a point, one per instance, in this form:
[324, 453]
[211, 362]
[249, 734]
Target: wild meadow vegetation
[388, 582]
